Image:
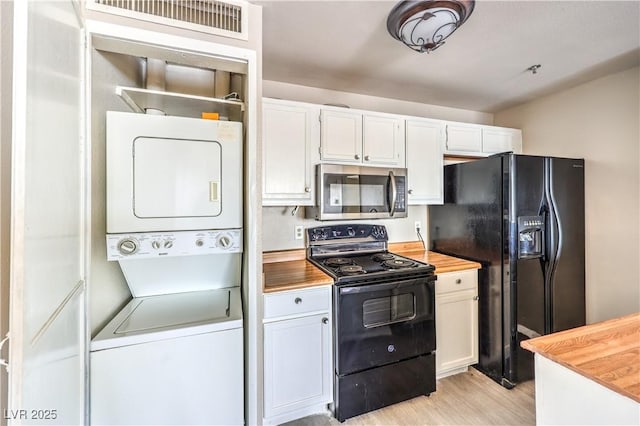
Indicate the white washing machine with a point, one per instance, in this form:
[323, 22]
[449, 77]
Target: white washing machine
[174, 353]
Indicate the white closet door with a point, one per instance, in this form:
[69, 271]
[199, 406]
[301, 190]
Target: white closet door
[47, 291]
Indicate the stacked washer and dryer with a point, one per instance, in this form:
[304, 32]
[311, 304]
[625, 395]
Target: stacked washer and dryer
[174, 353]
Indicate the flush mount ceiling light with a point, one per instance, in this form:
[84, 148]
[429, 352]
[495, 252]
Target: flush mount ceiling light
[423, 25]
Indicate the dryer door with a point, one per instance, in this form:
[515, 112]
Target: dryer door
[172, 173]
[176, 178]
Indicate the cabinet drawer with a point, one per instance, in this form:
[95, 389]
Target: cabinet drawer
[296, 302]
[455, 281]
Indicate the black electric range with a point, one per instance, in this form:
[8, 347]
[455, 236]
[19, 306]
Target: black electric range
[384, 318]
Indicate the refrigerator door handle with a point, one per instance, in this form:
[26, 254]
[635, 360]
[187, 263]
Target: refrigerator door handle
[545, 221]
[554, 230]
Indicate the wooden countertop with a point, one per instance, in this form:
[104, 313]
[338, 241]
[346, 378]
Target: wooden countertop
[607, 352]
[442, 262]
[292, 274]
[288, 270]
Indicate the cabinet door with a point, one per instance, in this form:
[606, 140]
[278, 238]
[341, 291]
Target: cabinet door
[297, 364]
[464, 138]
[290, 136]
[424, 161]
[456, 321]
[496, 140]
[383, 141]
[341, 136]
[456, 331]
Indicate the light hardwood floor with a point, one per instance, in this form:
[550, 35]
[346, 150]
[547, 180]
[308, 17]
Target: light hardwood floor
[469, 398]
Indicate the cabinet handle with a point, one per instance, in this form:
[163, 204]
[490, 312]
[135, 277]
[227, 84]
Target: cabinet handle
[325, 320]
[459, 280]
[307, 189]
[298, 301]
[357, 156]
[410, 191]
[366, 158]
[476, 297]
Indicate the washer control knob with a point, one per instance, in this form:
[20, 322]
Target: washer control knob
[199, 243]
[155, 244]
[128, 246]
[168, 244]
[224, 241]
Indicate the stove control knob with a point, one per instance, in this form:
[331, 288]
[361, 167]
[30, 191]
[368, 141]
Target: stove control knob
[155, 244]
[128, 246]
[224, 241]
[351, 232]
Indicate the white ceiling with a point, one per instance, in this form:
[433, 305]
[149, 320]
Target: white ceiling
[345, 46]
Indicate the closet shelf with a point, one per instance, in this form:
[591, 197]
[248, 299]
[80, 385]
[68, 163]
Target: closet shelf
[179, 104]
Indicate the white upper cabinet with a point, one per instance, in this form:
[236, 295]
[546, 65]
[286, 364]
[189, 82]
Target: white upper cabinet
[464, 139]
[424, 161]
[476, 140]
[383, 140]
[500, 139]
[290, 137]
[341, 136]
[362, 138]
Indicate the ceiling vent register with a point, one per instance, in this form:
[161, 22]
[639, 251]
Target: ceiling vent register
[226, 18]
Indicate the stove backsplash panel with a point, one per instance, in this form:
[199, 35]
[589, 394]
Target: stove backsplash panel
[278, 227]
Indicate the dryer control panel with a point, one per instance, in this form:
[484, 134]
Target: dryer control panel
[182, 243]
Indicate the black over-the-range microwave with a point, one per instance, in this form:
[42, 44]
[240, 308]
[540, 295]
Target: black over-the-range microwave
[359, 192]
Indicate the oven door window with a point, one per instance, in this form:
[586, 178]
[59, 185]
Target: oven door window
[388, 310]
[345, 193]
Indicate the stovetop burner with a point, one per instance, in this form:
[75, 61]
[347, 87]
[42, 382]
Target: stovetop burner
[380, 257]
[335, 262]
[398, 263]
[351, 270]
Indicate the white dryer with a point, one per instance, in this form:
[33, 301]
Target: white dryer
[174, 353]
[172, 173]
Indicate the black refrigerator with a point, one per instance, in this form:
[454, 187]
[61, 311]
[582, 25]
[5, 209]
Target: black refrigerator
[522, 218]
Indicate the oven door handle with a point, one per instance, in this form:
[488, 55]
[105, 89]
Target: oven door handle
[366, 288]
[394, 193]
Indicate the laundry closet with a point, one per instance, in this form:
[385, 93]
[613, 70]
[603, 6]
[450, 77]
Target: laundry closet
[174, 253]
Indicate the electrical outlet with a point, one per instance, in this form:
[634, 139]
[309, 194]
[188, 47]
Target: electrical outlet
[418, 226]
[298, 232]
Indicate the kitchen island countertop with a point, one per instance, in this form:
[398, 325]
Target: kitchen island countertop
[606, 352]
[288, 270]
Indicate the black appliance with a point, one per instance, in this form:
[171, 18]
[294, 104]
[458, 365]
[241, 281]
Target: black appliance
[522, 217]
[384, 318]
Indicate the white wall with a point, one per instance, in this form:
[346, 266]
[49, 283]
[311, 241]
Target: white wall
[108, 290]
[278, 223]
[598, 121]
[294, 92]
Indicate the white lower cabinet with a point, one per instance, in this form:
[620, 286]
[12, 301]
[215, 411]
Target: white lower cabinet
[297, 354]
[456, 322]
